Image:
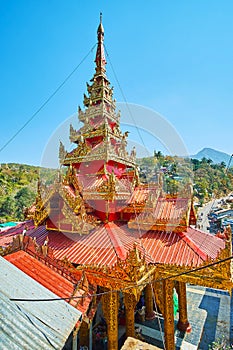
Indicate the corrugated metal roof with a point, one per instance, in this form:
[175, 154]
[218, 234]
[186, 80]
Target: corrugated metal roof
[32, 325]
[167, 211]
[105, 243]
[43, 274]
[50, 279]
[170, 209]
[108, 241]
[139, 195]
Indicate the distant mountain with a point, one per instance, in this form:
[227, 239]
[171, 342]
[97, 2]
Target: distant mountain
[213, 154]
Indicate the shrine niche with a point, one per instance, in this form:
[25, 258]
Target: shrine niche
[128, 238]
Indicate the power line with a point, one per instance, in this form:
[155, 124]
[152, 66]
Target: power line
[132, 286]
[46, 101]
[125, 100]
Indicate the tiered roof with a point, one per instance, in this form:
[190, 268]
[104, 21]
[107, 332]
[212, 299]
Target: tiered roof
[98, 212]
[99, 220]
[109, 242]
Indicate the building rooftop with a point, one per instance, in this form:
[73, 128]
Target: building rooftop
[108, 242]
[32, 325]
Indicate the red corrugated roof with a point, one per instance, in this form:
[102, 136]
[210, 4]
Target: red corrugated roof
[41, 273]
[139, 195]
[109, 241]
[50, 279]
[170, 209]
[91, 183]
[167, 211]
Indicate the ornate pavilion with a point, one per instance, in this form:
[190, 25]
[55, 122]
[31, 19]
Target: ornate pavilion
[126, 237]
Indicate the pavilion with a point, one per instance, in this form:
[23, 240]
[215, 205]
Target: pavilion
[128, 238]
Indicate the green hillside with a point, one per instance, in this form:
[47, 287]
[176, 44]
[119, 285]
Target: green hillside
[18, 182]
[209, 179]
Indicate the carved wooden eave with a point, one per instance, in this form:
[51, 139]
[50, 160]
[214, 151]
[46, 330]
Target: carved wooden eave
[91, 130]
[41, 215]
[131, 274]
[80, 223]
[78, 153]
[105, 151]
[99, 110]
[212, 273]
[162, 226]
[73, 209]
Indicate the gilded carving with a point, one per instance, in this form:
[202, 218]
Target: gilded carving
[110, 305]
[168, 314]
[62, 152]
[183, 324]
[130, 303]
[158, 293]
[134, 265]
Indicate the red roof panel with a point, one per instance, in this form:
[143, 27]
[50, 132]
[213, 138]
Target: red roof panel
[109, 241]
[41, 273]
[50, 279]
[170, 210]
[139, 195]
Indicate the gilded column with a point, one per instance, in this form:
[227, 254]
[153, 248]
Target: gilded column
[183, 323]
[149, 303]
[110, 305]
[130, 304]
[169, 328]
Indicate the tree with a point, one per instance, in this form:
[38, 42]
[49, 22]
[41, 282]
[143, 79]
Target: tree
[23, 199]
[7, 208]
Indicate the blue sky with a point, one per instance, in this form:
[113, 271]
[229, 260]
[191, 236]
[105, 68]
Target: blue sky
[172, 56]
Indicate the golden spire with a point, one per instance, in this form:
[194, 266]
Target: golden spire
[100, 56]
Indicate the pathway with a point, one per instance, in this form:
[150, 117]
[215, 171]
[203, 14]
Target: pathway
[210, 318]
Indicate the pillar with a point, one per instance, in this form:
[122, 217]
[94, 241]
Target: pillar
[130, 304]
[75, 340]
[90, 336]
[149, 303]
[169, 328]
[84, 334]
[110, 305]
[183, 323]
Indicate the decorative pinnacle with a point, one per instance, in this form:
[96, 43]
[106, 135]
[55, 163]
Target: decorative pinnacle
[100, 56]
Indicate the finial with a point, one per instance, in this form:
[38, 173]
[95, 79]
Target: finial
[100, 56]
[100, 29]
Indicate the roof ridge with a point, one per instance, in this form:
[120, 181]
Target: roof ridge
[116, 241]
[193, 245]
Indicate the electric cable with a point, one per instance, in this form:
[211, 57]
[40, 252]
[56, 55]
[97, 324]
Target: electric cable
[135, 285]
[46, 101]
[125, 100]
